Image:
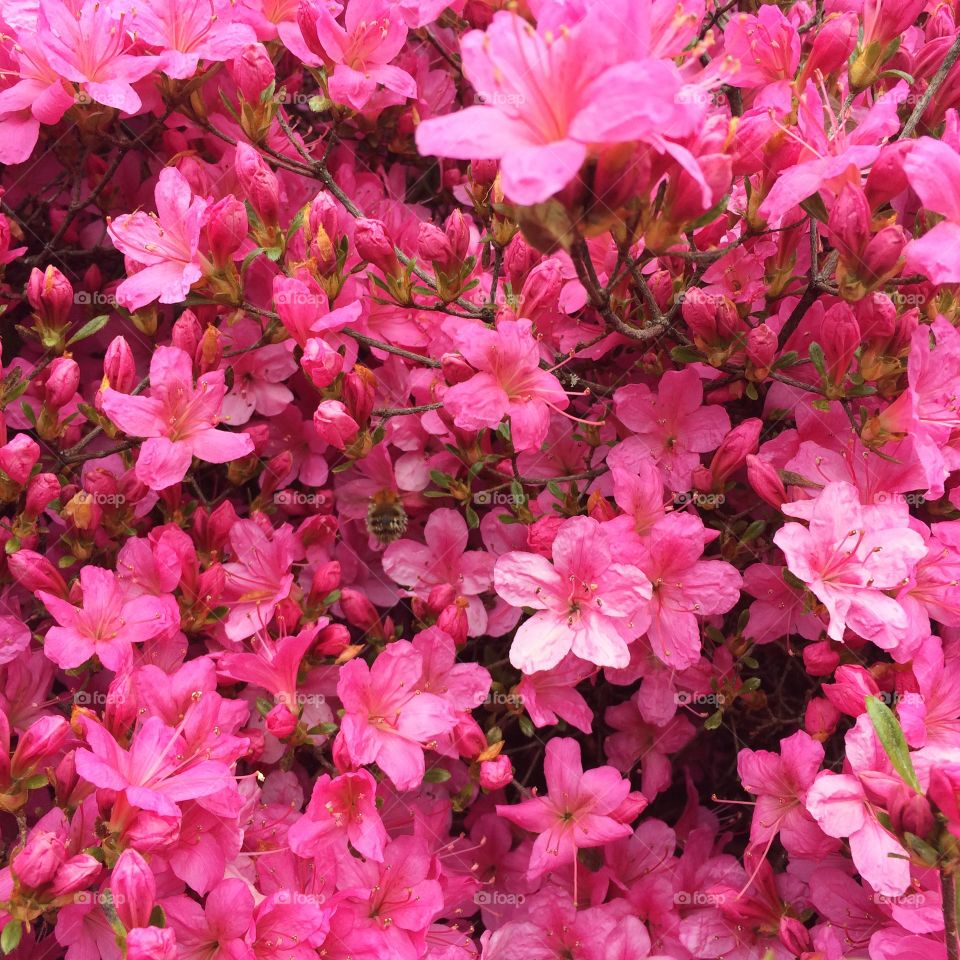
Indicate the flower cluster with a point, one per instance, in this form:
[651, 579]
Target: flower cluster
[480, 479]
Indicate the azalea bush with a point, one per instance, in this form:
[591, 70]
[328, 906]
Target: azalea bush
[480, 479]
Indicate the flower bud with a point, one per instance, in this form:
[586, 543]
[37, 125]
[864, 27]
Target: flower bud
[321, 362]
[253, 71]
[151, 943]
[849, 220]
[820, 718]
[540, 290]
[332, 640]
[38, 746]
[186, 333]
[457, 231]
[484, 172]
[820, 659]
[519, 258]
[226, 229]
[453, 621]
[840, 338]
[334, 425]
[766, 482]
[496, 773]
[326, 579]
[910, 812]
[76, 874]
[43, 488]
[733, 451]
[33, 572]
[281, 721]
[455, 368]
[209, 350]
[374, 246]
[50, 294]
[134, 889]
[119, 369]
[432, 245]
[359, 393]
[19, 457]
[40, 859]
[63, 379]
[832, 45]
[761, 351]
[359, 611]
[324, 224]
[258, 183]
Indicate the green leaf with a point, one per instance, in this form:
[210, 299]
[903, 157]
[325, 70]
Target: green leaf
[10, 938]
[686, 355]
[753, 531]
[473, 521]
[818, 359]
[815, 206]
[89, 328]
[713, 721]
[436, 775]
[890, 735]
[526, 726]
[157, 916]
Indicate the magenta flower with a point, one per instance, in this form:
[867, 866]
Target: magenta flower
[165, 244]
[847, 555]
[361, 50]
[106, 625]
[388, 721]
[219, 929]
[178, 418]
[586, 603]
[672, 423]
[340, 808]
[933, 169]
[580, 809]
[509, 383]
[153, 773]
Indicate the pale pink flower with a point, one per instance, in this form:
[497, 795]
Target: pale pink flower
[847, 555]
[165, 244]
[586, 603]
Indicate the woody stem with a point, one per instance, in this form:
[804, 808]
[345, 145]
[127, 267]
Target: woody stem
[948, 890]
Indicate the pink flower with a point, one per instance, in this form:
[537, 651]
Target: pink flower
[219, 929]
[259, 376]
[780, 782]
[166, 244]
[87, 43]
[580, 809]
[839, 805]
[672, 423]
[443, 559]
[684, 587]
[179, 419]
[932, 168]
[847, 555]
[546, 97]
[153, 774]
[388, 721]
[586, 603]
[189, 33]
[510, 382]
[341, 808]
[107, 624]
[258, 579]
[361, 50]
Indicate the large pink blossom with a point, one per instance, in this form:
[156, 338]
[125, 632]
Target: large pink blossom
[585, 602]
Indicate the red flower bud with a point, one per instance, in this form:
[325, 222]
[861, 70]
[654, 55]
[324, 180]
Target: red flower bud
[134, 889]
[258, 183]
[226, 229]
[373, 245]
[281, 722]
[40, 859]
[19, 457]
[321, 362]
[253, 71]
[63, 379]
[766, 482]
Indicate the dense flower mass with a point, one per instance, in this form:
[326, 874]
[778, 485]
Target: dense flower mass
[480, 480]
